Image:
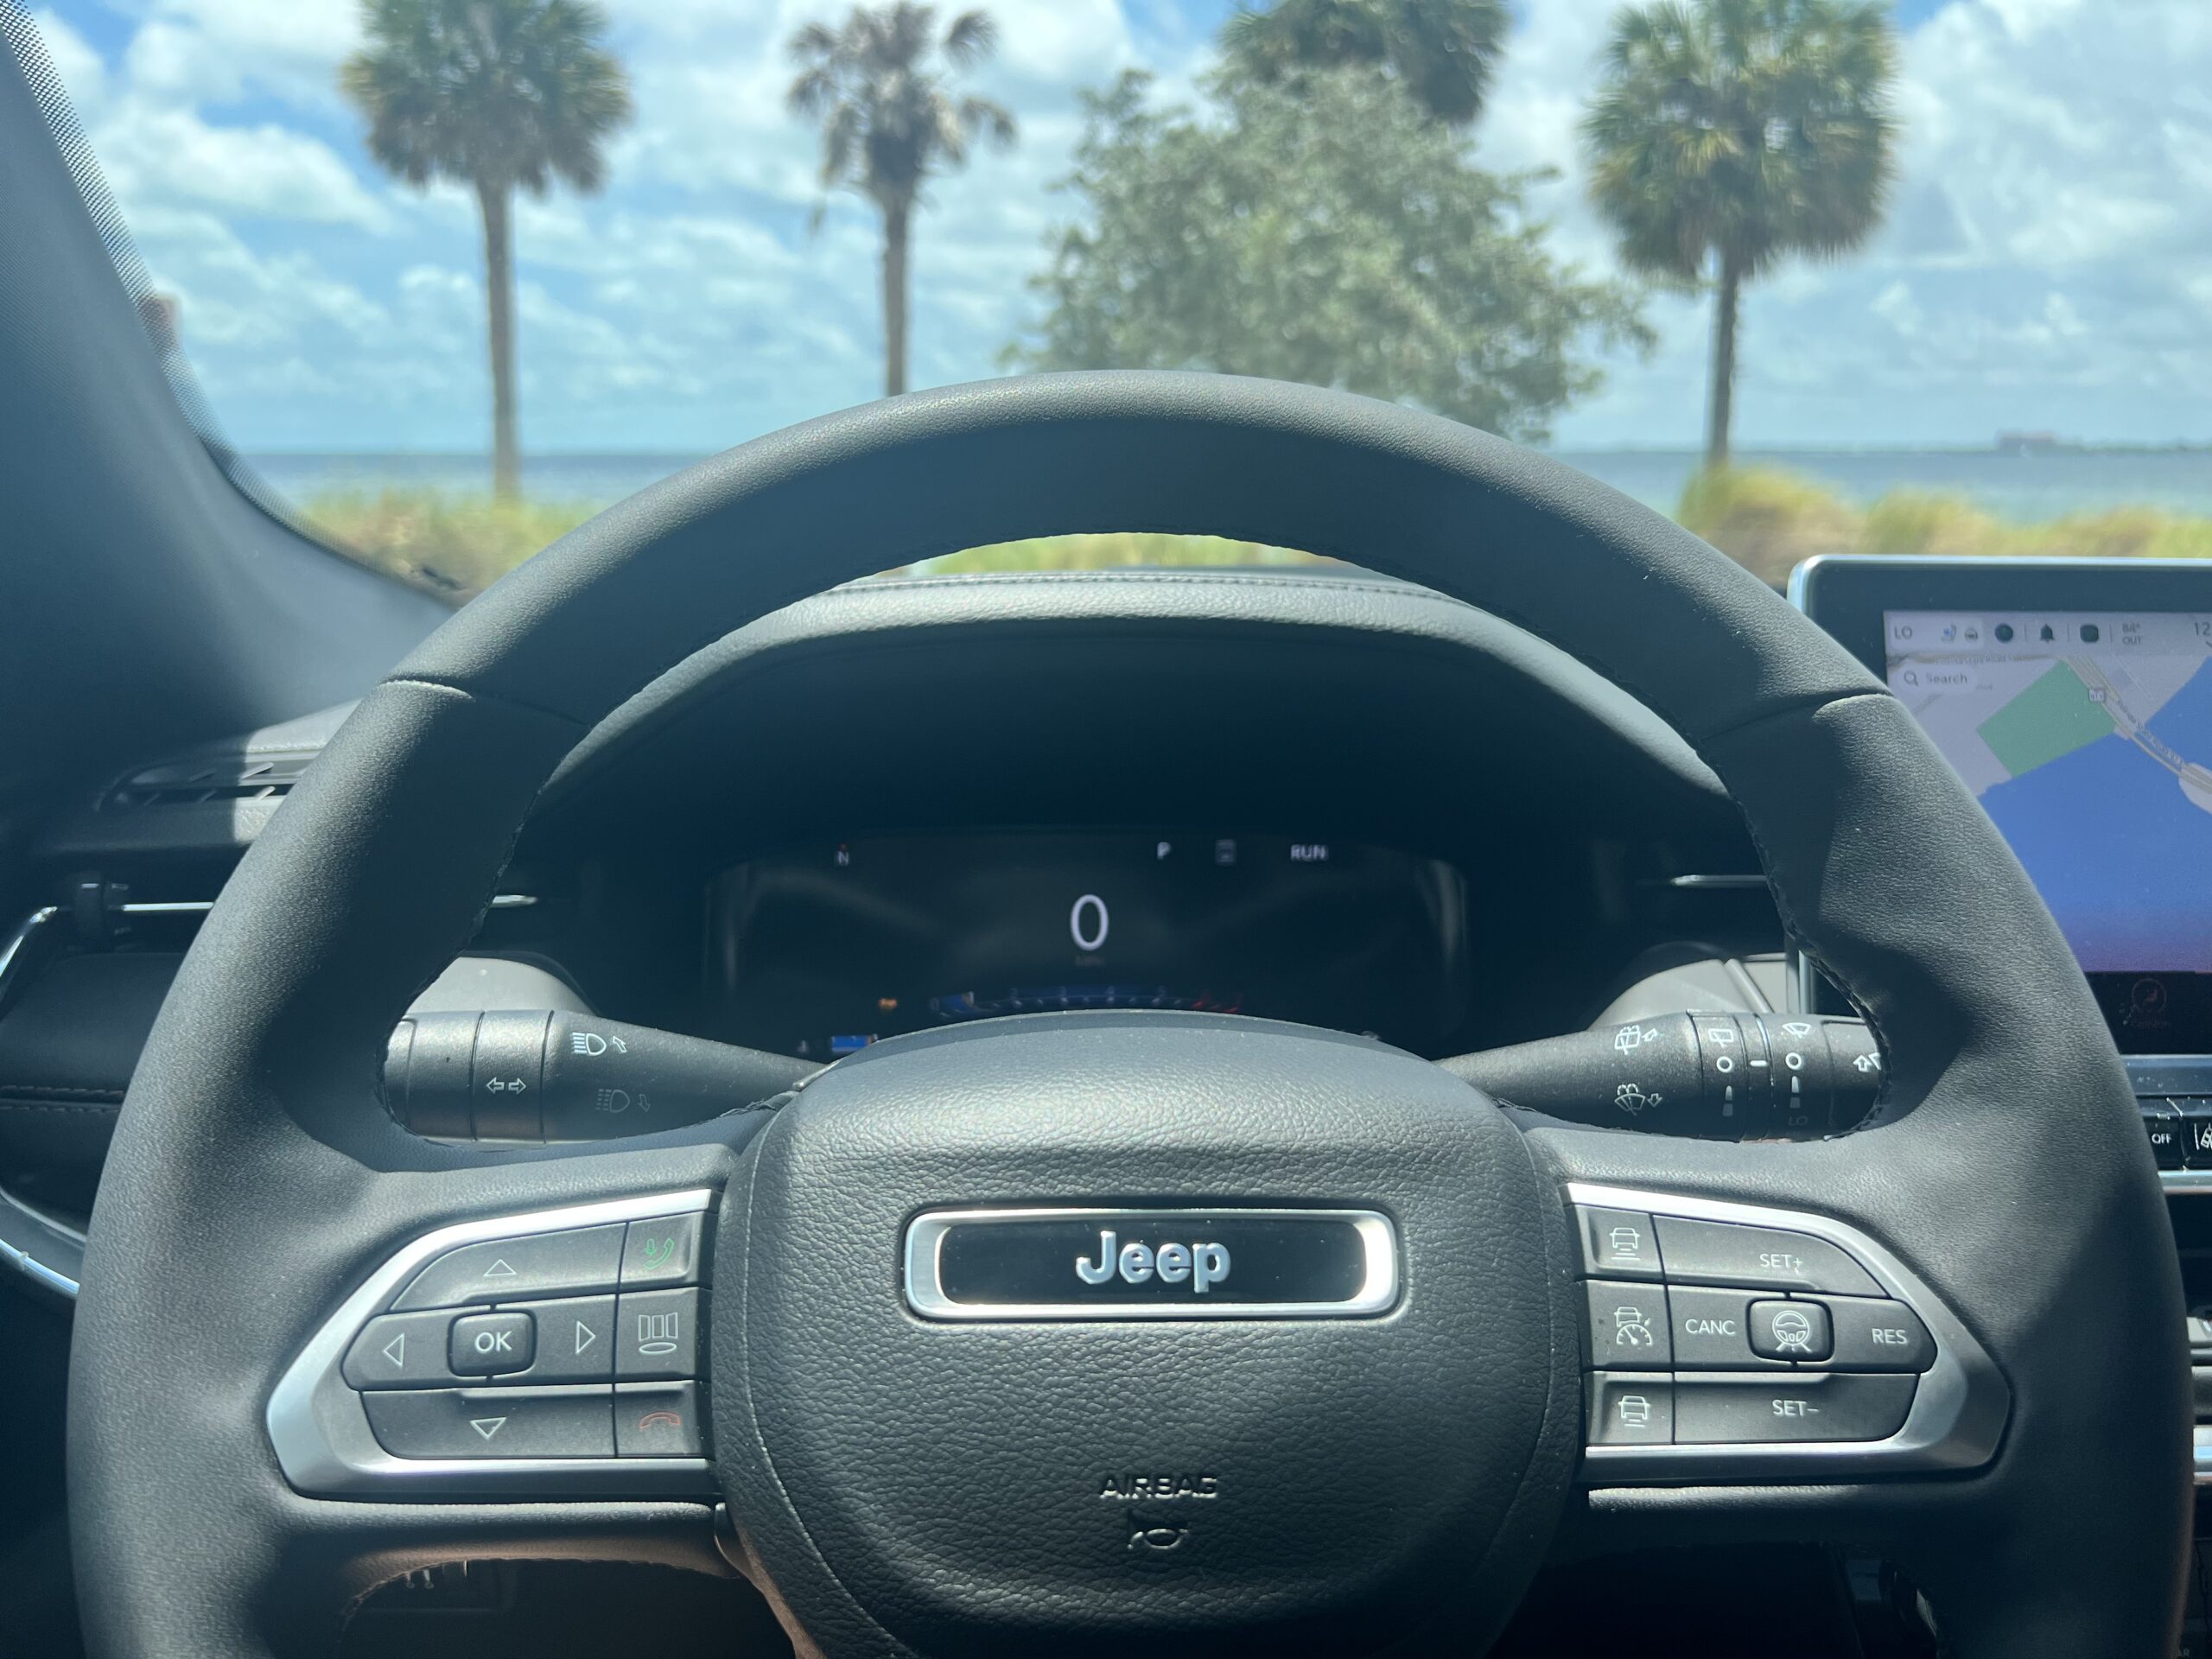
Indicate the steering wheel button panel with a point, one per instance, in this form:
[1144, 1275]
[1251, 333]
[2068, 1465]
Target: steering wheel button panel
[519, 1399]
[1808, 1407]
[498, 1270]
[1761, 1256]
[495, 1422]
[1745, 1385]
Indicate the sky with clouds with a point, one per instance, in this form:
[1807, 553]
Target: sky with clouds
[2048, 262]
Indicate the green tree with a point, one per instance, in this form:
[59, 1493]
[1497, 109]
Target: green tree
[1443, 52]
[890, 123]
[499, 95]
[1726, 134]
[1329, 232]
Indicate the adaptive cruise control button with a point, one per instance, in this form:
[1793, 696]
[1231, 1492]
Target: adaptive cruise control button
[494, 1422]
[399, 1350]
[1630, 1410]
[1617, 1243]
[1767, 1407]
[1628, 1326]
[502, 1269]
[1730, 1254]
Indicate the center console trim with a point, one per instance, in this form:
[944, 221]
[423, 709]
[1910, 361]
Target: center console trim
[321, 1431]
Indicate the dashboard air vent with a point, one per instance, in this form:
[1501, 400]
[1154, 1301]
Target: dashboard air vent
[264, 776]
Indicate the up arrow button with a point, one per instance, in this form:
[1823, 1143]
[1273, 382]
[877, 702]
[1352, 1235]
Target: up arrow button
[504, 1269]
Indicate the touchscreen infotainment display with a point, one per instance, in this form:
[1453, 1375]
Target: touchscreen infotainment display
[2087, 739]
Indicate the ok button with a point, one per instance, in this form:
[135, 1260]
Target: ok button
[484, 1344]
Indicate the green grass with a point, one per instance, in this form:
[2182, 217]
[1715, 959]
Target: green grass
[1766, 518]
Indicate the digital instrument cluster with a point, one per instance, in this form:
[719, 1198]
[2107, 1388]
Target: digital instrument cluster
[822, 949]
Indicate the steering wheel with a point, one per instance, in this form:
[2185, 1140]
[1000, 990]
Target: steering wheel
[931, 1435]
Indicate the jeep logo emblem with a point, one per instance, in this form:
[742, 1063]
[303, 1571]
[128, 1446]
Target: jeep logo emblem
[1201, 1266]
[1221, 1263]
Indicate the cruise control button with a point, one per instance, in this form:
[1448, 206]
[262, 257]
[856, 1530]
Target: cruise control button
[1759, 1256]
[1617, 1243]
[656, 1334]
[575, 1341]
[1765, 1407]
[1712, 1328]
[1628, 1326]
[1793, 1330]
[662, 1251]
[657, 1419]
[1630, 1410]
[1880, 1335]
[494, 1422]
[505, 1268]
[484, 1344]
[399, 1350]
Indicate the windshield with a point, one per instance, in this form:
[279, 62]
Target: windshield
[1933, 275]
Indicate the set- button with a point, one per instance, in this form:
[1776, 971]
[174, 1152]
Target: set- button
[490, 1352]
[1703, 1332]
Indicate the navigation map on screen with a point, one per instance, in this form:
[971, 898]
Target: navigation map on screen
[2087, 739]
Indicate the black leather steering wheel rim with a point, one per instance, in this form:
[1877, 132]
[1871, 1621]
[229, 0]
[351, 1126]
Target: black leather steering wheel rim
[252, 1176]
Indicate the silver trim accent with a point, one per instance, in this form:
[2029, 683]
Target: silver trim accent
[1959, 1410]
[201, 907]
[46, 1251]
[12, 951]
[2204, 1454]
[1715, 883]
[321, 1434]
[1378, 1291]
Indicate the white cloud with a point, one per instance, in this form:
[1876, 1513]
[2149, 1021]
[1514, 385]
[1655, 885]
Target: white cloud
[2044, 263]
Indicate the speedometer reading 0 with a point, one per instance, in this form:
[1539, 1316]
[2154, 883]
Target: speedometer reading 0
[1089, 923]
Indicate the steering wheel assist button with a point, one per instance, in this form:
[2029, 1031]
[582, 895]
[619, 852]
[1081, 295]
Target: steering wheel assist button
[494, 1422]
[502, 1269]
[1799, 1331]
[1728, 1253]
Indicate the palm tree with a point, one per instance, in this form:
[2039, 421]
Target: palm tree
[499, 95]
[1443, 52]
[890, 124]
[1727, 133]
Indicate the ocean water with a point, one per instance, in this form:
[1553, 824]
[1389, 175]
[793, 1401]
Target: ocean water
[2022, 487]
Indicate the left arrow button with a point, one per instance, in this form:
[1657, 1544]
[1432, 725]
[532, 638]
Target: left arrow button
[400, 1350]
